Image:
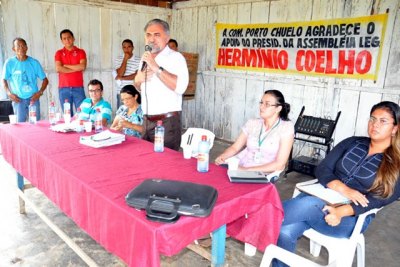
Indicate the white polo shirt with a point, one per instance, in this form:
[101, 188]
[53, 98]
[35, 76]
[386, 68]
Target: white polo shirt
[157, 98]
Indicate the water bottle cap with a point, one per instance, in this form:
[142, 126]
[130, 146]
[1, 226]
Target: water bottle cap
[159, 123]
[204, 138]
[52, 103]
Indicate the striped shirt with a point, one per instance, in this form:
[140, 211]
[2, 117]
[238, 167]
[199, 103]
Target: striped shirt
[88, 111]
[132, 66]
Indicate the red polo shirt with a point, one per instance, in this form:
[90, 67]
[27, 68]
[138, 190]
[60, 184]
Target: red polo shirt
[73, 57]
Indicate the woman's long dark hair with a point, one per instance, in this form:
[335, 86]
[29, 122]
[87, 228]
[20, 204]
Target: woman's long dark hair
[284, 113]
[389, 170]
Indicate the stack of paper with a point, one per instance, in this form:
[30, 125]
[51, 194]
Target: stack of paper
[63, 127]
[105, 138]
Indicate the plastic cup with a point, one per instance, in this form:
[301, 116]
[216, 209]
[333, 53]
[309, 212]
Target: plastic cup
[233, 163]
[88, 126]
[58, 116]
[187, 152]
[13, 119]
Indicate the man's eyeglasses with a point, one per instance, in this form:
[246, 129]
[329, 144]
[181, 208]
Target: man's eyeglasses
[379, 122]
[95, 91]
[267, 105]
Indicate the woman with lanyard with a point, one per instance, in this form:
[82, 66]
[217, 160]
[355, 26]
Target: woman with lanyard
[129, 118]
[267, 141]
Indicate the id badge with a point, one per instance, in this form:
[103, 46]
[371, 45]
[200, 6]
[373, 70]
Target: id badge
[257, 156]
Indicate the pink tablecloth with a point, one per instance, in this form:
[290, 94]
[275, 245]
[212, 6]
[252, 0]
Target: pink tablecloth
[89, 185]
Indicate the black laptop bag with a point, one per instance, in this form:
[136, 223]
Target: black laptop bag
[166, 200]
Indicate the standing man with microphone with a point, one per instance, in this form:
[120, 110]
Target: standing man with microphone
[162, 79]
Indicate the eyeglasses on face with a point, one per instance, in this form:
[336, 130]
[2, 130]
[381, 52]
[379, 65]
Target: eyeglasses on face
[95, 91]
[267, 105]
[126, 98]
[380, 122]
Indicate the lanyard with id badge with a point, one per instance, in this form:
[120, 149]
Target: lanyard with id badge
[258, 155]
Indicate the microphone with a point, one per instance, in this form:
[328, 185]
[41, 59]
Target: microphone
[146, 48]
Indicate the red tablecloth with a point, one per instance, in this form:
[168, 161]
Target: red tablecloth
[89, 185]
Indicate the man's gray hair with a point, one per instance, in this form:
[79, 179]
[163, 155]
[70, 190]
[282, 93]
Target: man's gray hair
[161, 22]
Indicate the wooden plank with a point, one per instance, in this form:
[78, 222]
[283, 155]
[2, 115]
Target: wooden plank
[392, 78]
[200, 251]
[322, 9]
[106, 38]
[348, 105]
[50, 33]
[390, 97]
[202, 36]
[219, 106]
[254, 93]
[210, 41]
[367, 100]
[234, 113]
[392, 6]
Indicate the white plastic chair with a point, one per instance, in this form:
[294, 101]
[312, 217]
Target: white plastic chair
[192, 137]
[340, 250]
[287, 257]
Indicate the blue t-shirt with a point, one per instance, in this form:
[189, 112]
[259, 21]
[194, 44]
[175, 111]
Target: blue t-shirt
[88, 111]
[136, 118]
[22, 76]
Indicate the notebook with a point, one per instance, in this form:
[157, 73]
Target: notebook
[257, 177]
[331, 197]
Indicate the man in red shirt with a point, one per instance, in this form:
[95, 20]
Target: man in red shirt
[70, 64]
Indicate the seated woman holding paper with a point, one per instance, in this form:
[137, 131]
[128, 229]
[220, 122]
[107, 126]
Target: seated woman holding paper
[267, 141]
[363, 169]
[129, 118]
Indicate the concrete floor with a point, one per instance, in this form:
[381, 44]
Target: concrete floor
[25, 240]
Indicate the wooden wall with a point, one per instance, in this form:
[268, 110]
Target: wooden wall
[225, 99]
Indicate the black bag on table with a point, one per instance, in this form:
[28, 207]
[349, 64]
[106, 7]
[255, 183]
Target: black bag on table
[166, 200]
[5, 110]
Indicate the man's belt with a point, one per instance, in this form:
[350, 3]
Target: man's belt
[159, 117]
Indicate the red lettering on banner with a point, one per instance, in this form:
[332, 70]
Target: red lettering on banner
[249, 58]
[322, 61]
[255, 58]
[363, 56]
[237, 57]
[346, 62]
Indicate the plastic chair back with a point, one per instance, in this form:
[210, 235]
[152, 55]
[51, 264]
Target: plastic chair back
[192, 137]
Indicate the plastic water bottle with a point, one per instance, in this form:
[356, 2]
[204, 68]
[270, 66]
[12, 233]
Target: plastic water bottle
[67, 112]
[32, 113]
[52, 114]
[203, 155]
[79, 125]
[98, 121]
[159, 137]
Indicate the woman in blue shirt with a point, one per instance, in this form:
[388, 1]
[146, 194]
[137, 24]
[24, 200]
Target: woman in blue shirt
[129, 118]
[363, 169]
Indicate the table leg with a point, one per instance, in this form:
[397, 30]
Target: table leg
[21, 186]
[218, 247]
